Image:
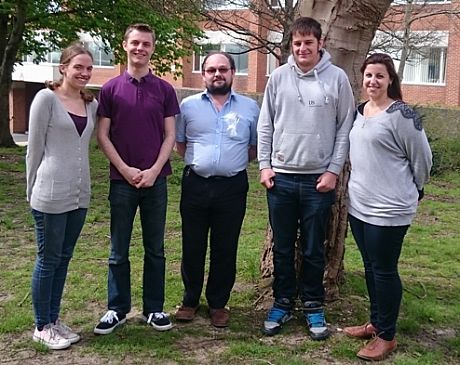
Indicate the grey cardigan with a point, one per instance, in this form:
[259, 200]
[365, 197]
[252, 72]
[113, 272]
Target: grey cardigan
[57, 164]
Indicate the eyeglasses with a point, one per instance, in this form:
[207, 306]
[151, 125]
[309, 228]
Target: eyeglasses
[212, 70]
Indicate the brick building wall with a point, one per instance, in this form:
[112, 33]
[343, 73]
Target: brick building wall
[437, 94]
[22, 94]
[425, 94]
[254, 82]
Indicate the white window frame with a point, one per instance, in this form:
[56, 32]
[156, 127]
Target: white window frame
[439, 39]
[85, 38]
[221, 39]
[272, 61]
[226, 4]
[422, 65]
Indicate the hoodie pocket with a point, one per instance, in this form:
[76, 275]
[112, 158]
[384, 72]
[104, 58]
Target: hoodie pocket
[301, 150]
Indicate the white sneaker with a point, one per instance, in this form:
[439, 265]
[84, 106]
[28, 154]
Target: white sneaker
[49, 337]
[66, 332]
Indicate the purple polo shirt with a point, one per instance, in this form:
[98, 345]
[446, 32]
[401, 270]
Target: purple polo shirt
[137, 110]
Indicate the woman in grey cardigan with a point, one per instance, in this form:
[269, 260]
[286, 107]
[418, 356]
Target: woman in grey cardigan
[390, 163]
[62, 118]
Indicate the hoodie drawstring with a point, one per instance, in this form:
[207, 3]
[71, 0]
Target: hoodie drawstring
[296, 82]
[321, 85]
[317, 79]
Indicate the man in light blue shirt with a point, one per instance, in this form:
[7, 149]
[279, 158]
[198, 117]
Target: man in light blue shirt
[216, 134]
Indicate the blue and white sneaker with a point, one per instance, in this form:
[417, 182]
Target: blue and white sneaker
[314, 315]
[275, 320]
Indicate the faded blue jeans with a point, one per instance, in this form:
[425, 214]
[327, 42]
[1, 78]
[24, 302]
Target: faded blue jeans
[294, 204]
[124, 201]
[56, 236]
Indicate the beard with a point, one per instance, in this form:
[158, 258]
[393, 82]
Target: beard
[219, 90]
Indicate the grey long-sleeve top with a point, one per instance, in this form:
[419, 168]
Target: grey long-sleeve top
[390, 160]
[57, 164]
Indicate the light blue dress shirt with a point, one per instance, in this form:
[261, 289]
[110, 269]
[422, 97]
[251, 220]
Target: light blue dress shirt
[217, 142]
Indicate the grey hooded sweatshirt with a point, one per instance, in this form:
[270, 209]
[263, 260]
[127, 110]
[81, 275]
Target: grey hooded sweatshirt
[305, 119]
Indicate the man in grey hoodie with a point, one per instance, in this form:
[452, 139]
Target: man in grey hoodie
[303, 128]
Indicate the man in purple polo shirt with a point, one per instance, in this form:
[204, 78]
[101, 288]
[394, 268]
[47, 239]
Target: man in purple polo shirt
[136, 132]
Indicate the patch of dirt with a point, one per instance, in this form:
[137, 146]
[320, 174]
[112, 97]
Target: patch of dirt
[204, 348]
[18, 349]
[436, 338]
[11, 159]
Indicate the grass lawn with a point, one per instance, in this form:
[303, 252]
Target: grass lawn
[429, 322]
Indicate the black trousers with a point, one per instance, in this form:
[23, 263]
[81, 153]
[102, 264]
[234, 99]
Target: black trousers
[213, 207]
[380, 248]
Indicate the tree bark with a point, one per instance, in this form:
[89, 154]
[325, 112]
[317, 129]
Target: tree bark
[348, 28]
[406, 39]
[12, 28]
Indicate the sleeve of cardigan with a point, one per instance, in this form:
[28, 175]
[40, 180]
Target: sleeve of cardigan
[39, 117]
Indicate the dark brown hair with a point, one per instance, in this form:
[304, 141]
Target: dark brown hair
[394, 89]
[75, 49]
[304, 26]
[140, 27]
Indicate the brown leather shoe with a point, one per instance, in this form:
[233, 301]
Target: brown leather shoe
[365, 331]
[377, 349]
[186, 314]
[219, 317]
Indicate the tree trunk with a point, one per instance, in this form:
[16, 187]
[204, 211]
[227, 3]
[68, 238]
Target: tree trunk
[348, 28]
[11, 30]
[406, 39]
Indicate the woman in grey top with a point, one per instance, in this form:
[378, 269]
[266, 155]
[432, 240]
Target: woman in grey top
[390, 163]
[61, 122]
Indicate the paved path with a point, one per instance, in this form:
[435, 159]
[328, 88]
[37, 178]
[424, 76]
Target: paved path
[20, 139]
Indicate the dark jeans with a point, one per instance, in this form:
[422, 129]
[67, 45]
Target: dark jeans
[124, 201]
[380, 248]
[216, 206]
[294, 203]
[56, 236]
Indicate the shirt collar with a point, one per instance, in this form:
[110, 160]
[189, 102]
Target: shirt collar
[143, 79]
[205, 94]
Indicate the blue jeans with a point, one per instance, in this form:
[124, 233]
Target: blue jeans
[124, 201]
[56, 236]
[294, 204]
[380, 249]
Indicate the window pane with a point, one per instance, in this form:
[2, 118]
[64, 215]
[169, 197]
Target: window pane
[427, 66]
[100, 57]
[204, 50]
[241, 59]
[272, 63]
[55, 57]
[106, 58]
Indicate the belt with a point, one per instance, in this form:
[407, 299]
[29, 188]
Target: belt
[188, 170]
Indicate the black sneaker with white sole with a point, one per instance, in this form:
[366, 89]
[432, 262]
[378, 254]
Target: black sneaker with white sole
[109, 322]
[158, 320]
